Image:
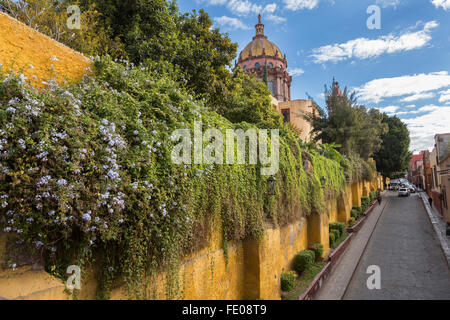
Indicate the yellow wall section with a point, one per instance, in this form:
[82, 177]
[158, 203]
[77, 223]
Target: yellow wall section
[22, 47]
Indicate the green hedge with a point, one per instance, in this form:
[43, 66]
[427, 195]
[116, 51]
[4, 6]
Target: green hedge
[332, 238]
[365, 201]
[351, 221]
[303, 260]
[338, 226]
[356, 212]
[318, 250]
[288, 281]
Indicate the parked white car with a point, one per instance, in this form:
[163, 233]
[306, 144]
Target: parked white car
[403, 192]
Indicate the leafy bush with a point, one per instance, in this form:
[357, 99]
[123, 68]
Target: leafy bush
[351, 221]
[288, 280]
[373, 195]
[303, 260]
[364, 203]
[332, 238]
[338, 226]
[336, 232]
[318, 250]
[356, 212]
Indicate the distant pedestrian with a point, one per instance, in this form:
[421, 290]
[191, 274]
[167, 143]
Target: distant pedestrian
[379, 199]
[430, 201]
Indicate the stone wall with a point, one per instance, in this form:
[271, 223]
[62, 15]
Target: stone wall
[37, 56]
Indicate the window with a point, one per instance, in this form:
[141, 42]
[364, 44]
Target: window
[270, 65]
[286, 115]
[244, 67]
[270, 86]
[257, 65]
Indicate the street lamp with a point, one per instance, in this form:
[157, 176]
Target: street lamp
[271, 185]
[323, 180]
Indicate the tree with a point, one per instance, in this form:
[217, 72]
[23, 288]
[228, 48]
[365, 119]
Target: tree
[348, 124]
[393, 156]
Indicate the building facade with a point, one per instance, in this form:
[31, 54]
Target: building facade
[439, 172]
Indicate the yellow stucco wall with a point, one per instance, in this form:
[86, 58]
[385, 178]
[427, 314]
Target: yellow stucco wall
[40, 56]
[279, 246]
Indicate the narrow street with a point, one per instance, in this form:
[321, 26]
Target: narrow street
[407, 252]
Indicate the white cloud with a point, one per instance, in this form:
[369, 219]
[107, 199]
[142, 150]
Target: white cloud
[423, 128]
[428, 108]
[238, 7]
[230, 23]
[445, 4]
[418, 96]
[243, 7]
[388, 3]
[410, 106]
[378, 89]
[296, 72]
[363, 48]
[295, 5]
[445, 96]
[389, 109]
[270, 8]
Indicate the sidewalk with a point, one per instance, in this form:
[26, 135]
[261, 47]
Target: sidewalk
[439, 225]
[337, 282]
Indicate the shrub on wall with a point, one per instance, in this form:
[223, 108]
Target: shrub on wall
[332, 237]
[303, 260]
[338, 226]
[336, 233]
[351, 221]
[318, 250]
[373, 195]
[356, 212]
[288, 280]
[365, 201]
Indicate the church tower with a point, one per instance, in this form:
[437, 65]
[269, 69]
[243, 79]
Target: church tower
[266, 60]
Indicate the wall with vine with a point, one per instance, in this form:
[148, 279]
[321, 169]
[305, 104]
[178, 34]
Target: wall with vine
[86, 177]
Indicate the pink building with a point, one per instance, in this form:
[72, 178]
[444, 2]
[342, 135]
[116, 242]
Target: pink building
[261, 55]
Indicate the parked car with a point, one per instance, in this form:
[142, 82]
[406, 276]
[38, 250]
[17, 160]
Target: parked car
[393, 186]
[410, 188]
[403, 192]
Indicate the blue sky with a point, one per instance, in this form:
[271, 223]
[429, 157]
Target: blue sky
[403, 68]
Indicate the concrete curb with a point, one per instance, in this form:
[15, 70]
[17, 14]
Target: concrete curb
[439, 228]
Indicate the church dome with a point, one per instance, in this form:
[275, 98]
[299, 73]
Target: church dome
[260, 46]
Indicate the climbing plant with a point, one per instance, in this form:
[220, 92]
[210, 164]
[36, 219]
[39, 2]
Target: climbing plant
[86, 175]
